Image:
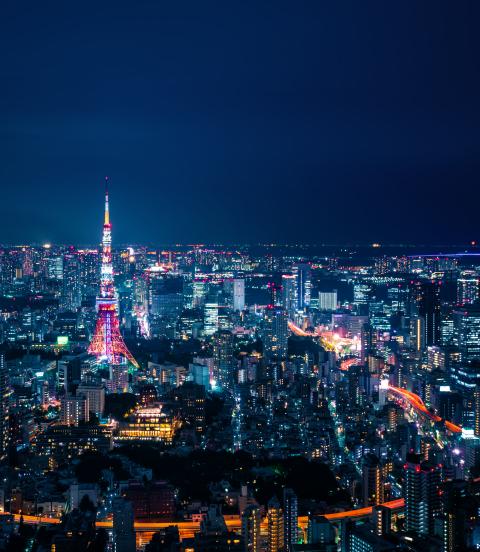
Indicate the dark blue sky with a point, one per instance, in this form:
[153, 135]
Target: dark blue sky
[240, 121]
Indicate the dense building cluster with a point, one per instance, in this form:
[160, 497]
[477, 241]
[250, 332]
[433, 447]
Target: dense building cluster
[257, 398]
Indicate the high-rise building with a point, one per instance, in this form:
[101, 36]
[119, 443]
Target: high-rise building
[426, 295]
[458, 512]
[290, 516]
[165, 292]
[71, 285]
[436, 358]
[422, 495]
[224, 361]
[372, 478]
[289, 294]
[211, 309]
[74, 410]
[55, 268]
[275, 293]
[251, 528]
[199, 374]
[275, 333]
[123, 526]
[417, 333]
[303, 273]
[467, 288]
[89, 272]
[382, 519]
[466, 323]
[327, 300]
[95, 394]
[477, 411]
[321, 532]
[235, 289]
[4, 408]
[189, 404]
[276, 535]
[199, 292]
[362, 293]
[107, 343]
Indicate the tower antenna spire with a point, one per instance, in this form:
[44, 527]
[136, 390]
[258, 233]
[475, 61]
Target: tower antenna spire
[107, 211]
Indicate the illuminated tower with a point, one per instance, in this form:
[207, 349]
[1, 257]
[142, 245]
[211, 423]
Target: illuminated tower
[107, 343]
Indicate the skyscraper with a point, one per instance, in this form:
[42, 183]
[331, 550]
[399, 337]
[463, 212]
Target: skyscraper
[467, 288]
[466, 323]
[427, 299]
[276, 535]
[422, 496]
[71, 288]
[458, 512]
[211, 313]
[74, 410]
[303, 273]
[224, 362]
[107, 343]
[289, 294]
[290, 516]
[235, 289]
[476, 397]
[4, 408]
[251, 528]
[275, 333]
[372, 478]
[123, 526]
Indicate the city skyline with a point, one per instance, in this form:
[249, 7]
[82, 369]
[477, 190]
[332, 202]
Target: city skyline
[239, 276]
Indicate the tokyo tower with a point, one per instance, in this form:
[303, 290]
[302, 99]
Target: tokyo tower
[107, 343]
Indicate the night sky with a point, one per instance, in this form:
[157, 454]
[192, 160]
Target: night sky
[237, 121]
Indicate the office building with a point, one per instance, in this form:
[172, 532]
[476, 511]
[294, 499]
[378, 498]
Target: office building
[289, 294]
[327, 300]
[74, 409]
[224, 361]
[275, 333]
[235, 290]
[123, 526]
[290, 516]
[466, 323]
[372, 479]
[251, 520]
[303, 274]
[422, 495]
[4, 408]
[467, 288]
[95, 395]
[276, 532]
[322, 533]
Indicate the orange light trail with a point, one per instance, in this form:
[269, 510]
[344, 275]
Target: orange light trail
[416, 402]
[187, 529]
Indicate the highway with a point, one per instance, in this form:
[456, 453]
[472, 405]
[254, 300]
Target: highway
[416, 402]
[188, 528]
